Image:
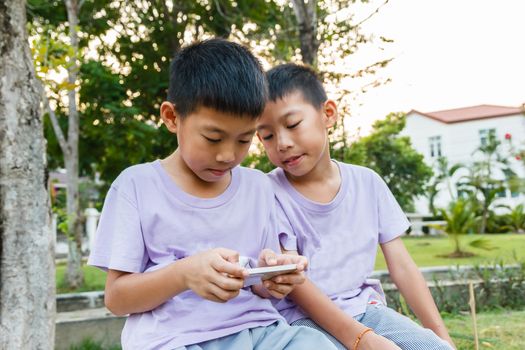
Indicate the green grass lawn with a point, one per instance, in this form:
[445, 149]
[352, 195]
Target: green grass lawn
[424, 250]
[496, 330]
[94, 279]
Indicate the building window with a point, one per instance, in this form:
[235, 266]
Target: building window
[435, 146]
[485, 135]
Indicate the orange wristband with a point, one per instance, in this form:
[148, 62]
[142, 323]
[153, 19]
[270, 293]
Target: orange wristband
[361, 335]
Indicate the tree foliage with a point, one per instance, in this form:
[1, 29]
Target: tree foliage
[486, 178]
[392, 157]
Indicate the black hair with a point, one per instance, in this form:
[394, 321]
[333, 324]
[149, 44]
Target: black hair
[217, 74]
[288, 78]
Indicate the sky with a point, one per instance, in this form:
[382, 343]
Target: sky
[447, 54]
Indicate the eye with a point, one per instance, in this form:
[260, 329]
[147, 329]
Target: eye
[294, 125]
[268, 137]
[244, 141]
[211, 140]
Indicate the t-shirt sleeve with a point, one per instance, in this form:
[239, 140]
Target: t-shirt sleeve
[271, 233]
[392, 220]
[119, 244]
[287, 237]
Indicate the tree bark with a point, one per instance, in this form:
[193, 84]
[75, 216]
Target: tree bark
[306, 15]
[74, 275]
[27, 271]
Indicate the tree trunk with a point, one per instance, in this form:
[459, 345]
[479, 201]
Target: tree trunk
[484, 217]
[74, 275]
[27, 271]
[306, 15]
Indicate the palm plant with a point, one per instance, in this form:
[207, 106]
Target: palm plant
[481, 184]
[460, 219]
[516, 219]
[442, 175]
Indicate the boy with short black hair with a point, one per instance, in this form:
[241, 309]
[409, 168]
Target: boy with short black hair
[171, 231]
[339, 214]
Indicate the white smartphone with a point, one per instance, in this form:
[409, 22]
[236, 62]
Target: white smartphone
[258, 274]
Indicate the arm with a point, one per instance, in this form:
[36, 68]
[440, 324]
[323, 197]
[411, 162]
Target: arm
[326, 314]
[330, 317]
[413, 287]
[213, 275]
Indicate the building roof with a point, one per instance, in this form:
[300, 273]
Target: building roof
[464, 114]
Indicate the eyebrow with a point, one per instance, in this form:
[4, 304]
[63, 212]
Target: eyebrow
[220, 131]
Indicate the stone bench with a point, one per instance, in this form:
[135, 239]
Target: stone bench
[417, 224]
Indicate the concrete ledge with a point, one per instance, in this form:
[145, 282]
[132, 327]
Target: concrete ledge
[443, 272]
[80, 301]
[83, 315]
[97, 324]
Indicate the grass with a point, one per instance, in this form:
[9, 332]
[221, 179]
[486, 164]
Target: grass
[94, 279]
[496, 330]
[426, 250]
[89, 344]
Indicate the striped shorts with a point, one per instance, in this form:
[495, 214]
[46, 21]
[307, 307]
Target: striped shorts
[277, 336]
[386, 322]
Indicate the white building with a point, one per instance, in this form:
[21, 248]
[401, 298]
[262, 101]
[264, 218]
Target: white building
[457, 133]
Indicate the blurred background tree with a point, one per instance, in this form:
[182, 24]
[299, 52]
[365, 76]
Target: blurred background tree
[105, 88]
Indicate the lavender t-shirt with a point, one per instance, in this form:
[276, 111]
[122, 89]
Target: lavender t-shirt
[340, 238]
[148, 222]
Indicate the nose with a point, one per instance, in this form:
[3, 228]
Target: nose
[284, 142]
[225, 155]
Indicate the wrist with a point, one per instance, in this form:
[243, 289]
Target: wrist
[181, 270]
[261, 291]
[361, 339]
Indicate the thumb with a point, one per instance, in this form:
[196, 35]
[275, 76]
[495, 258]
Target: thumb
[268, 257]
[228, 254]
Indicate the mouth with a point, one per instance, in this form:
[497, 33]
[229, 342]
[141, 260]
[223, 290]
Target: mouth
[292, 161]
[219, 172]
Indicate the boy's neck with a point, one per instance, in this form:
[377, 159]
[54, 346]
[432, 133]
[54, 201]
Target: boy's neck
[189, 182]
[321, 184]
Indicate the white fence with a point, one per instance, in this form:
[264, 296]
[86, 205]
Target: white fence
[417, 224]
[92, 215]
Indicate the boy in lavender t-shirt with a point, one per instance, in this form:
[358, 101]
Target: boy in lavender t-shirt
[339, 214]
[171, 231]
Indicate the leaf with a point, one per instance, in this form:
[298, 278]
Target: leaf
[482, 243]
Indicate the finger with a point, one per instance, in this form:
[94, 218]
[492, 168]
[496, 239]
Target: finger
[277, 295]
[279, 287]
[289, 278]
[228, 254]
[228, 283]
[212, 297]
[268, 257]
[300, 261]
[278, 290]
[303, 262]
[221, 294]
[223, 266]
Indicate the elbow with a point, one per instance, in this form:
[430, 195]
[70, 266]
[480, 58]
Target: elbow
[113, 305]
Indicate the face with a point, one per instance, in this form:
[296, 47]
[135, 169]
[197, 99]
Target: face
[294, 133]
[211, 143]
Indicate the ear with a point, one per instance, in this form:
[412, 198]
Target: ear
[330, 113]
[169, 116]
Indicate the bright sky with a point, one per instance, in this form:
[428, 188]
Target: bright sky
[448, 54]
